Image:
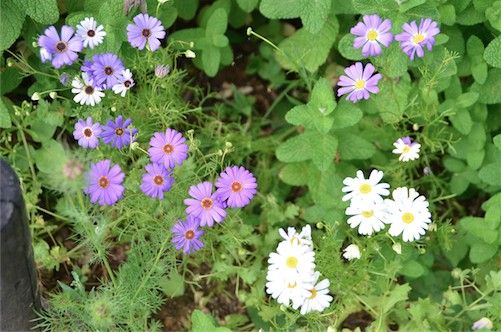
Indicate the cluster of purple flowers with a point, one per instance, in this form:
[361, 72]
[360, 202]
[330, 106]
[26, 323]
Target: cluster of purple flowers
[103, 71]
[116, 133]
[371, 35]
[235, 188]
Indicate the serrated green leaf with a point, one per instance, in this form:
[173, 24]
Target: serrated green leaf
[353, 146]
[4, 115]
[201, 322]
[481, 252]
[393, 62]
[43, 11]
[295, 149]
[479, 71]
[345, 47]
[346, 114]
[391, 101]
[493, 14]
[50, 156]
[397, 294]
[489, 91]
[491, 174]
[211, 57]
[412, 269]
[173, 286]
[480, 228]
[492, 54]
[322, 97]
[324, 150]
[447, 14]
[217, 23]
[295, 174]
[11, 21]
[186, 8]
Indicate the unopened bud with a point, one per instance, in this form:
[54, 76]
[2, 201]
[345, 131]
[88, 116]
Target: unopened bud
[228, 145]
[320, 225]
[397, 247]
[35, 96]
[134, 145]
[10, 62]
[113, 109]
[415, 127]
[190, 54]
[53, 94]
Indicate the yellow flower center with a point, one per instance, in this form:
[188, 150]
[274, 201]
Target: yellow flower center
[291, 262]
[416, 39]
[372, 35]
[406, 149]
[292, 285]
[407, 217]
[313, 293]
[359, 84]
[368, 214]
[365, 188]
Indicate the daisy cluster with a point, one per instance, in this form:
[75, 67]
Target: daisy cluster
[104, 71]
[291, 277]
[235, 188]
[406, 211]
[372, 35]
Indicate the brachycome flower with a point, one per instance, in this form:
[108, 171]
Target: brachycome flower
[145, 29]
[204, 204]
[186, 235]
[125, 82]
[371, 34]
[90, 33]
[169, 148]
[117, 133]
[408, 214]
[107, 69]
[86, 92]
[156, 181]
[105, 183]
[358, 82]
[360, 188]
[413, 39]
[407, 149]
[318, 298]
[367, 215]
[87, 133]
[237, 186]
[63, 50]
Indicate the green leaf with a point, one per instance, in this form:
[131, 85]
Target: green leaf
[296, 148]
[491, 174]
[11, 21]
[412, 269]
[50, 157]
[186, 9]
[481, 252]
[474, 46]
[346, 114]
[217, 23]
[462, 121]
[313, 13]
[393, 62]
[211, 57]
[497, 141]
[382, 7]
[43, 11]
[489, 91]
[295, 174]
[322, 97]
[10, 78]
[310, 118]
[493, 14]
[475, 159]
[391, 101]
[4, 115]
[201, 322]
[479, 71]
[306, 49]
[247, 5]
[447, 14]
[492, 54]
[397, 294]
[173, 286]
[480, 228]
[345, 47]
[353, 146]
[467, 99]
[324, 149]
[406, 5]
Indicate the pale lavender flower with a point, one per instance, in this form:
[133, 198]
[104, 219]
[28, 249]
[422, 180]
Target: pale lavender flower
[156, 181]
[87, 133]
[63, 49]
[105, 183]
[186, 235]
[107, 69]
[204, 204]
[145, 29]
[168, 148]
[162, 70]
[237, 186]
[413, 39]
[358, 82]
[117, 132]
[64, 78]
[371, 34]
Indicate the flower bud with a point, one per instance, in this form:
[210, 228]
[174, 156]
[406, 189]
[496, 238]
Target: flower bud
[53, 94]
[397, 247]
[190, 54]
[35, 96]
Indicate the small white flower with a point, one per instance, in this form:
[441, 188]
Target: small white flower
[408, 214]
[45, 55]
[318, 298]
[482, 323]
[285, 289]
[368, 216]
[407, 149]
[303, 238]
[367, 189]
[126, 82]
[351, 252]
[91, 34]
[292, 259]
[86, 92]
[190, 54]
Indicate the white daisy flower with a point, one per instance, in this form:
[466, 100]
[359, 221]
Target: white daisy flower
[407, 149]
[351, 252]
[86, 92]
[408, 214]
[367, 189]
[318, 298]
[285, 289]
[45, 55]
[368, 216]
[126, 82]
[91, 34]
[292, 259]
[303, 238]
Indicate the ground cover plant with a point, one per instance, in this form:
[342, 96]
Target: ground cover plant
[258, 164]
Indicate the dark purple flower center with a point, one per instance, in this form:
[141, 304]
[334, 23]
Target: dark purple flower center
[236, 186]
[104, 182]
[189, 234]
[61, 47]
[158, 179]
[89, 90]
[91, 33]
[119, 131]
[87, 132]
[127, 83]
[146, 33]
[168, 149]
[207, 203]
[108, 70]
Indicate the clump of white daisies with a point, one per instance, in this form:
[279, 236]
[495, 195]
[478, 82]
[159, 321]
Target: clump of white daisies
[406, 211]
[292, 278]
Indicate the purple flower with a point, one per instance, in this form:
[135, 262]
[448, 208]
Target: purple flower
[105, 183]
[156, 181]
[358, 82]
[64, 78]
[237, 186]
[87, 133]
[371, 34]
[145, 29]
[87, 68]
[168, 149]
[204, 204]
[45, 55]
[117, 133]
[63, 49]
[162, 70]
[186, 235]
[414, 38]
[106, 69]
